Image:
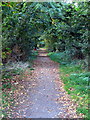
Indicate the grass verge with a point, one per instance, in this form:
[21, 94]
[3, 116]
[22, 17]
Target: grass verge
[75, 78]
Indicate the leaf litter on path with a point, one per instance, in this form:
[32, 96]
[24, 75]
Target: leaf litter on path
[40, 93]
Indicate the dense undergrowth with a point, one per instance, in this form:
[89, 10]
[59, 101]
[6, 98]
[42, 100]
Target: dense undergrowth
[75, 78]
[9, 71]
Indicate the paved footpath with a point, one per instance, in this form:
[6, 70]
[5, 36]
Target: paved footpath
[41, 94]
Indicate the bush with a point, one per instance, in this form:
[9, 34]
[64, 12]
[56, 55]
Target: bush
[60, 57]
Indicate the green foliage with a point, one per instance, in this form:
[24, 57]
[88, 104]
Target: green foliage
[34, 53]
[6, 53]
[15, 29]
[75, 78]
[76, 84]
[32, 57]
[60, 57]
[69, 29]
[63, 27]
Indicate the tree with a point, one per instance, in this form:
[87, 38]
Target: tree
[63, 26]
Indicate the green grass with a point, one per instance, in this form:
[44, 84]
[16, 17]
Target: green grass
[76, 84]
[75, 80]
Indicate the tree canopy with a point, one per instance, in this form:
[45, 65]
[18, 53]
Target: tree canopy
[63, 26]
